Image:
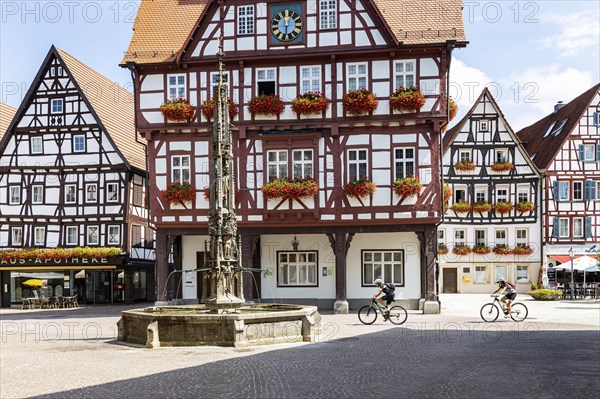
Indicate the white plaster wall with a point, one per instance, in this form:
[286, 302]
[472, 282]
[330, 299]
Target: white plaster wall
[190, 245]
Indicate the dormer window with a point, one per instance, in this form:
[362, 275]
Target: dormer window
[328, 14]
[56, 106]
[484, 126]
[560, 127]
[265, 81]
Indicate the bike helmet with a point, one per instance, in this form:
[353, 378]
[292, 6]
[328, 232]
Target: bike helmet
[501, 281]
[378, 281]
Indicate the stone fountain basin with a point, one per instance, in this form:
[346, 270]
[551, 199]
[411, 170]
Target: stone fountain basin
[193, 325]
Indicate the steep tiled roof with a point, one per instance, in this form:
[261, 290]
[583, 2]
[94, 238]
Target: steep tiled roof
[113, 105]
[161, 27]
[545, 148]
[6, 115]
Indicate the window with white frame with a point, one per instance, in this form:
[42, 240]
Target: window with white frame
[484, 126]
[480, 195]
[441, 236]
[214, 81]
[72, 235]
[297, 268]
[500, 237]
[265, 81]
[405, 162]
[39, 236]
[480, 240]
[501, 273]
[310, 79]
[387, 265]
[56, 106]
[60, 71]
[112, 192]
[302, 163]
[480, 274]
[577, 191]
[404, 73]
[357, 165]
[245, 22]
[79, 143]
[563, 190]
[114, 235]
[93, 235]
[70, 193]
[501, 195]
[522, 195]
[37, 145]
[37, 194]
[91, 192]
[52, 72]
[327, 14]
[464, 155]
[459, 237]
[563, 227]
[577, 227]
[589, 152]
[460, 195]
[501, 155]
[176, 86]
[356, 76]
[16, 236]
[180, 169]
[522, 237]
[522, 274]
[14, 195]
[277, 164]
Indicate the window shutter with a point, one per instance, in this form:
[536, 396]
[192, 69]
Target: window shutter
[555, 227]
[596, 118]
[588, 227]
[555, 190]
[588, 190]
[581, 153]
[598, 151]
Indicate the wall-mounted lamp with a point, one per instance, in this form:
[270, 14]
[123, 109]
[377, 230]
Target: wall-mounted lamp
[295, 243]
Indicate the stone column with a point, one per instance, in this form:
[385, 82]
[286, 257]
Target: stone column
[340, 243]
[161, 267]
[129, 294]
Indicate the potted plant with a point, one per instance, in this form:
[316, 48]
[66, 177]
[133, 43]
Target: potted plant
[503, 207]
[502, 166]
[461, 250]
[525, 206]
[482, 206]
[360, 102]
[407, 99]
[360, 188]
[447, 192]
[309, 103]
[461, 207]
[208, 109]
[464, 166]
[178, 110]
[523, 249]
[545, 295]
[453, 108]
[266, 104]
[179, 193]
[502, 249]
[290, 189]
[482, 249]
[410, 186]
[442, 249]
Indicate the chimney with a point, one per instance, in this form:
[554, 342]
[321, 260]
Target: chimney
[558, 106]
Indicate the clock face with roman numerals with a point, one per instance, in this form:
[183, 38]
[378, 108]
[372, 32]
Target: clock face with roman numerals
[286, 25]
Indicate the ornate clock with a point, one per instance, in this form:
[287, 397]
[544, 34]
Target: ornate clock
[286, 25]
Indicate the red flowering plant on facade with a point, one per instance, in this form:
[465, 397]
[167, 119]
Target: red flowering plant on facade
[291, 189]
[461, 207]
[461, 250]
[407, 99]
[481, 250]
[178, 109]
[503, 207]
[266, 104]
[525, 206]
[502, 166]
[442, 249]
[464, 165]
[502, 249]
[482, 206]
[59, 253]
[360, 102]
[179, 193]
[309, 103]
[208, 109]
[452, 107]
[410, 186]
[360, 188]
[523, 249]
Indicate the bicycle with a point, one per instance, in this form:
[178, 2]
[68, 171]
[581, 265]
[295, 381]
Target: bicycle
[489, 311]
[368, 313]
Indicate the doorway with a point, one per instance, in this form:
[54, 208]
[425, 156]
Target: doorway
[102, 286]
[450, 280]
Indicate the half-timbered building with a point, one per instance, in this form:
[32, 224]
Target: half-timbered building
[325, 249]
[491, 227]
[6, 115]
[72, 175]
[565, 146]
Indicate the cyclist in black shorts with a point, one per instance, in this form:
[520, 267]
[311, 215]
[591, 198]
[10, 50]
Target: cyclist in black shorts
[388, 296]
[509, 294]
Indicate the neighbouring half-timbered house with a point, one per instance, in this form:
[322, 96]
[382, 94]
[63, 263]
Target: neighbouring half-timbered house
[492, 226]
[565, 146]
[73, 175]
[326, 247]
[6, 115]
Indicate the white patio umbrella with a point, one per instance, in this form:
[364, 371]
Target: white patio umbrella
[582, 264]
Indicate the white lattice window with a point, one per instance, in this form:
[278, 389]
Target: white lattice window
[70, 194]
[405, 162]
[39, 236]
[310, 79]
[577, 191]
[56, 106]
[501, 155]
[357, 76]
[328, 14]
[522, 274]
[441, 236]
[357, 165]
[501, 237]
[72, 235]
[37, 194]
[501, 273]
[114, 235]
[91, 192]
[480, 195]
[79, 143]
[522, 195]
[16, 236]
[459, 237]
[297, 268]
[302, 163]
[93, 235]
[386, 265]
[501, 195]
[277, 165]
[480, 238]
[176, 86]
[563, 190]
[522, 237]
[404, 73]
[37, 145]
[578, 227]
[464, 155]
[266, 81]
[563, 227]
[245, 20]
[15, 195]
[480, 274]
[112, 192]
[180, 169]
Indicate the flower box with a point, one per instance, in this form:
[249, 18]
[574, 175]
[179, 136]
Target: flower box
[482, 250]
[309, 103]
[502, 166]
[360, 188]
[179, 193]
[503, 207]
[523, 250]
[266, 105]
[408, 187]
[525, 206]
[360, 102]
[453, 108]
[208, 109]
[461, 250]
[442, 249]
[461, 207]
[502, 250]
[482, 206]
[464, 166]
[178, 110]
[59, 253]
[291, 189]
[407, 99]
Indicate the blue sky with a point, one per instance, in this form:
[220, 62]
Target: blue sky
[531, 54]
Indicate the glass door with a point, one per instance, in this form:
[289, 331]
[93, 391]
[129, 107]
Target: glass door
[102, 286]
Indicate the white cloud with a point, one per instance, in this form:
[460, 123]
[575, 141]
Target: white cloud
[576, 32]
[466, 83]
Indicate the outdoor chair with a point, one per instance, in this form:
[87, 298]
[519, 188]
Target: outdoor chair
[26, 303]
[44, 302]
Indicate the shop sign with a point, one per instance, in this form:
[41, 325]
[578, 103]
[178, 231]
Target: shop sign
[72, 261]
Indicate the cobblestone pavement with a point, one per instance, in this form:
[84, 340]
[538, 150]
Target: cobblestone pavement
[72, 353]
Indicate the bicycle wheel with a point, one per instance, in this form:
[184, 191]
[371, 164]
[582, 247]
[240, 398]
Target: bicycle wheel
[518, 312]
[367, 314]
[489, 312]
[397, 315]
